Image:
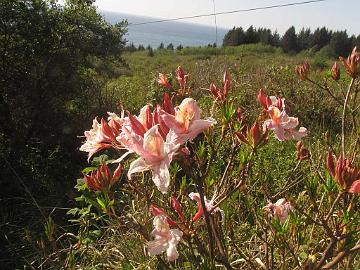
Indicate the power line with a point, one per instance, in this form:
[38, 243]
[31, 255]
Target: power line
[216, 28]
[228, 12]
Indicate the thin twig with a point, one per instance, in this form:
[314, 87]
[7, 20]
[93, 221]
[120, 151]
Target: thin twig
[343, 118]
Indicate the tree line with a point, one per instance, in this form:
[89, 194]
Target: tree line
[338, 42]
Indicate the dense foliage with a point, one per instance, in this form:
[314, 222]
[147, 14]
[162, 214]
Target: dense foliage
[54, 60]
[337, 42]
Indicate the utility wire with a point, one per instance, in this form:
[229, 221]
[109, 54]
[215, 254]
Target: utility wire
[229, 12]
[216, 28]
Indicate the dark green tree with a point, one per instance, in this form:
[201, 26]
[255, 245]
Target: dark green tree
[251, 35]
[304, 39]
[288, 41]
[234, 37]
[341, 43]
[170, 47]
[321, 37]
[54, 62]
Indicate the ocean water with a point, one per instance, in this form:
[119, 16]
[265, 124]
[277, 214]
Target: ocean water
[175, 32]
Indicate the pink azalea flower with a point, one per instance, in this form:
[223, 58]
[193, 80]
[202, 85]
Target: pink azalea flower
[209, 206]
[166, 239]
[186, 123]
[283, 125]
[155, 155]
[99, 137]
[279, 210]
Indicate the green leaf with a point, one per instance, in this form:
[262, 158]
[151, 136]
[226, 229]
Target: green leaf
[101, 203]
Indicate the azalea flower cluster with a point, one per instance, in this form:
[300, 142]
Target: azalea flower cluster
[284, 126]
[153, 136]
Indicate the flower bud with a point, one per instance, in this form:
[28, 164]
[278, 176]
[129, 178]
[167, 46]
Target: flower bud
[302, 70]
[330, 165]
[163, 81]
[176, 206]
[335, 72]
[351, 63]
[301, 152]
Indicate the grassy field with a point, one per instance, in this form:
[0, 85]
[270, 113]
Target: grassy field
[251, 67]
[114, 227]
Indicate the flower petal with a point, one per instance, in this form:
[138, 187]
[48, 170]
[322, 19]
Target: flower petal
[138, 165]
[355, 187]
[161, 176]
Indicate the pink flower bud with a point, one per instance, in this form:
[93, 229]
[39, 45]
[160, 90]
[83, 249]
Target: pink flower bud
[176, 206]
[226, 84]
[335, 72]
[330, 165]
[351, 63]
[117, 173]
[163, 81]
[355, 187]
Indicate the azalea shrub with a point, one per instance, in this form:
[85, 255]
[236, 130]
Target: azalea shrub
[182, 187]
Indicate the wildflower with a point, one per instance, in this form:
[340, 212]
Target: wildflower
[163, 81]
[101, 179]
[335, 72]
[186, 123]
[101, 136]
[283, 125]
[279, 210]
[302, 70]
[351, 63]
[155, 155]
[181, 77]
[346, 175]
[301, 152]
[209, 206]
[166, 239]
[218, 93]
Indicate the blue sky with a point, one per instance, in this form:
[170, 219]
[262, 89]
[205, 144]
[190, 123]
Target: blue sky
[334, 14]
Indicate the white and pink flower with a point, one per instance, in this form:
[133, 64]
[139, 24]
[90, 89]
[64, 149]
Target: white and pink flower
[280, 209]
[283, 125]
[186, 123]
[166, 239]
[155, 155]
[101, 136]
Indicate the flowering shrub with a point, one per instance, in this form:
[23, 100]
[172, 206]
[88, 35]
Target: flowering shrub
[171, 155]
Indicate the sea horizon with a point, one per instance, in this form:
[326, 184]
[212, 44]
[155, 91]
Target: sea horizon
[174, 32]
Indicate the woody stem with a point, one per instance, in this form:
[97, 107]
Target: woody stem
[344, 117]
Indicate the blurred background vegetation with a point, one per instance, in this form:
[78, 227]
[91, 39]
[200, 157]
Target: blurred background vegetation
[63, 65]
